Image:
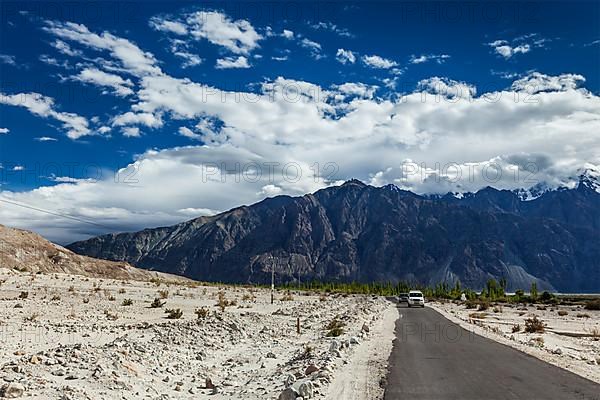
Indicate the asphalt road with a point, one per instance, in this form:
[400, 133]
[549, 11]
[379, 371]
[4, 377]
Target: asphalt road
[435, 359]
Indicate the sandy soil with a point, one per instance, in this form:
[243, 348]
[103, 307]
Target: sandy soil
[570, 341]
[73, 337]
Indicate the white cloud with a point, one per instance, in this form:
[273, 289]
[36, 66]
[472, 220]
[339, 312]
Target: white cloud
[188, 133]
[131, 131]
[279, 58]
[46, 139]
[8, 59]
[287, 34]
[314, 47]
[238, 36]
[165, 25]
[43, 106]
[121, 87]
[345, 56]
[327, 133]
[423, 58]
[329, 26]
[66, 49]
[179, 49]
[448, 88]
[537, 82]
[130, 118]
[4, 131]
[232, 62]
[520, 45]
[129, 55]
[378, 62]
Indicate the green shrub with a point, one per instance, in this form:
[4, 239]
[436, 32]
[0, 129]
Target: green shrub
[335, 328]
[534, 325]
[174, 313]
[157, 303]
[127, 302]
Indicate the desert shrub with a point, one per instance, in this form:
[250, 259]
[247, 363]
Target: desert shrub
[202, 313]
[516, 328]
[562, 313]
[85, 300]
[593, 305]
[335, 328]
[55, 298]
[478, 315]
[24, 295]
[32, 317]
[541, 308]
[157, 303]
[534, 325]
[163, 294]
[127, 302]
[323, 297]
[483, 305]
[471, 304]
[174, 313]
[111, 298]
[223, 303]
[307, 353]
[583, 315]
[110, 316]
[248, 297]
[287, 296]
[498, 309]
[538, 341]
[122, 291]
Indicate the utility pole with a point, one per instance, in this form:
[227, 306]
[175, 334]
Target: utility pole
[272, 279]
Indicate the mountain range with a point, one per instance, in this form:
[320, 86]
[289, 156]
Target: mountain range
[357, 232]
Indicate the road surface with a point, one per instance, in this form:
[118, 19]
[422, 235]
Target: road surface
[435, 359]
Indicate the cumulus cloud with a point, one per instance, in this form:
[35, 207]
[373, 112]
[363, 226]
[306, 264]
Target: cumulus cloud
[4, 131]
[538, 82]
[232, 62]
[292, 137]
[345, 56]
[120, 87]
[131, 131]
[287, 34]
[238, 36]
[519, 45]
[378, 62]
[75, 125]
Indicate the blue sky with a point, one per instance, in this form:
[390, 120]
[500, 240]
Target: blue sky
[130, 116]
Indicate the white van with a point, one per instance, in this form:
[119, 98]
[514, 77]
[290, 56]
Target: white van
[415, 298]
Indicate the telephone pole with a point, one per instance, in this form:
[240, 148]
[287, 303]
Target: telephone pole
[272, 279]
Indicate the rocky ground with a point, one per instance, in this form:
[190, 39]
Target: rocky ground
[74, 337]
[571, 337]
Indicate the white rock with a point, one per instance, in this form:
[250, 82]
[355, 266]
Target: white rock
[289, 380]
[354, 340]
[334, 346]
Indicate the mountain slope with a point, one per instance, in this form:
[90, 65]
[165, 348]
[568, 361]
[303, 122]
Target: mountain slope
[356, 232]
[27, 251]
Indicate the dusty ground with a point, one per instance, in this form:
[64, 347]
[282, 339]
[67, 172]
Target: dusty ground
[570, 341]
[72, 337]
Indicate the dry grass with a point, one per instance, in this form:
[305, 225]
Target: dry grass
[534, 325]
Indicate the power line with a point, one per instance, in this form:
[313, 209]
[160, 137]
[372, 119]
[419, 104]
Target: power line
[57, 214]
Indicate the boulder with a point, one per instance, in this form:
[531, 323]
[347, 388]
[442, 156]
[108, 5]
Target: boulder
[310, 369]
[288, 394]
[12, 390]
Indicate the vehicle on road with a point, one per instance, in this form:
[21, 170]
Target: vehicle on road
[416, 299]
[403, 298]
